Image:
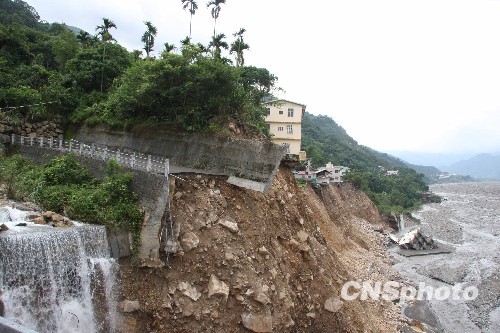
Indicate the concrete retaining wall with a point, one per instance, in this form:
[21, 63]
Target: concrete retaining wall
[9, 326]
[248, 159]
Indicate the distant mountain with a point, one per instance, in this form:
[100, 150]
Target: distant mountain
[438, 160]
[326, 141]
[483, 166]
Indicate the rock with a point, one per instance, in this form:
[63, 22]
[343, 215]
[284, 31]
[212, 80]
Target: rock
[6, 129]
[189, 241]
[48, 214]
[22, 224]
[217, 287]
[57, 217]
[62, 224]
[178, 195]
[232, 226]
[302, 235]
[333, 304]
[39, 220]
[416, 240]
[263, 250]
[257, 322]
[3, 227]
[311, 315]
[129, 306]
[188, 290]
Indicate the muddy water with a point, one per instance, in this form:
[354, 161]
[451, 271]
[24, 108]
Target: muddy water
[469, 221]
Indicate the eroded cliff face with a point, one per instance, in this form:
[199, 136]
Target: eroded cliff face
[272, 262]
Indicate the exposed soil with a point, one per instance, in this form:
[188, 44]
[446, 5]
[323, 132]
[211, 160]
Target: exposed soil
[293, 250]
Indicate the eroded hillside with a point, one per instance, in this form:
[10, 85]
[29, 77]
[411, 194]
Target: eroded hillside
[249, 260]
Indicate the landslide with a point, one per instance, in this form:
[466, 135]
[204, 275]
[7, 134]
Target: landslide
[293, 250]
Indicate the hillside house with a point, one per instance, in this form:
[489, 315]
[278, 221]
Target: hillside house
[284, 120]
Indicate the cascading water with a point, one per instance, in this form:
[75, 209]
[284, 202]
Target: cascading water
[57, 279]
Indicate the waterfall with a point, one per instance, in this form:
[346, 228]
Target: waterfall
[58, 279]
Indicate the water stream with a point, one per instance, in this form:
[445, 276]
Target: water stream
[56, 279]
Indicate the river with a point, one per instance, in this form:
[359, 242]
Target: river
[469, 221]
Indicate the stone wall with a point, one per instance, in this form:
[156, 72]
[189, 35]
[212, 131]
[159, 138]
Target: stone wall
[252, 160]
[152, 191]
[45, 128]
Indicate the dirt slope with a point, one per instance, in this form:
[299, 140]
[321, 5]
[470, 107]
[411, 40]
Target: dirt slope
[290, 253]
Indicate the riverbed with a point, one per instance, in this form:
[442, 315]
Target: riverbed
[469, 221]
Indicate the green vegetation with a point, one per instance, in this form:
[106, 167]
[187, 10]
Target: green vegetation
[64, 186]
[85, 78]
[325, 141]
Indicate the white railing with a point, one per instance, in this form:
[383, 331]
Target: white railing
[134, 160]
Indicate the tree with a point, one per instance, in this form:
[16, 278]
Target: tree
[169, 47]
[215, 4]
[218, 44]
[106, 37]
[149, 38]
[238, 46]
[84, 39]
[136, 54]
[193, 7]
[103, 30]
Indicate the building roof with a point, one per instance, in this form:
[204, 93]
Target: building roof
[304, 173]
[284, 100]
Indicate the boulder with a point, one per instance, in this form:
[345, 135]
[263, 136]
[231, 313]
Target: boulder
[189, 241]
[232, 226]
[333, 304]
[217, 287]
[261, 323]
[416, 240]
[302, 235]
[188, 290]
[129, 306]
[38, 220]
[3, 227]
[5, 138]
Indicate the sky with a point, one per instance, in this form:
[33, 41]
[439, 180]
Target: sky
[399, 75]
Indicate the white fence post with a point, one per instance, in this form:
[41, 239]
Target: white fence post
[51, 141]
[148, 165]
[118, 156]
[22, 140]
[81, 148]
[70, 145]
[105, 154]
[167, 167]
[32, 139]
[132, 160]
[13, 138]
[41, 142]
[92, 150]
[61, 144]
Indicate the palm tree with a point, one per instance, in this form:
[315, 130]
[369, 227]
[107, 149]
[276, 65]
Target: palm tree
[193, 7]
[218, 43]
[84, 38]
[106, 37]
[238, 46]
[186, 41]
[215, 10]
[169, 47]
[149, 38]
[137, 54]
[103, 30]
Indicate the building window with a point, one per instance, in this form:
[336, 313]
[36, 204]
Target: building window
[268, 111]
[287, 146]
[281, 112]
[290, 113]
[280, 128]
[289, 129]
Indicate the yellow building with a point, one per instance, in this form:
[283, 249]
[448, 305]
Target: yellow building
[284, 120]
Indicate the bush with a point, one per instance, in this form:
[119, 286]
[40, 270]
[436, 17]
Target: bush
[64, 186]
